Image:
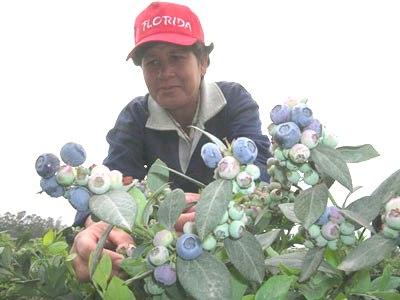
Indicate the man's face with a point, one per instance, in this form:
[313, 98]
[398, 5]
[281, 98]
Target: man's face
[173, 74]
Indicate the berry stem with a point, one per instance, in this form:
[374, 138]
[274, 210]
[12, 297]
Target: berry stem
[333, 200]
[271, 252]
[99, 248]
[137, 277]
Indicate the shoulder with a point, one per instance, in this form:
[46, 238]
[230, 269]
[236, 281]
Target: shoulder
[232, 89]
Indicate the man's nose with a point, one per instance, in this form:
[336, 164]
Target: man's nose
[166, 71]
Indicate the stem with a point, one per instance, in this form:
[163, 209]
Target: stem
[99, 248]
[332, 199]
[200, 184]
[137, 277]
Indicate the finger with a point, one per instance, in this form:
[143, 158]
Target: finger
[192, 197]
[81, 268]
[183, 218]
[120, 238]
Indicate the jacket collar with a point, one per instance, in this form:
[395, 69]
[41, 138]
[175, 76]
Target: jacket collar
[212, 101]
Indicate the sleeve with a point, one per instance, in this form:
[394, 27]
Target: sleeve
[126, 141]
[244, 120]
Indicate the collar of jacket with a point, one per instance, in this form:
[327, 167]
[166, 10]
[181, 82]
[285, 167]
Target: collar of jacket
[212, 100]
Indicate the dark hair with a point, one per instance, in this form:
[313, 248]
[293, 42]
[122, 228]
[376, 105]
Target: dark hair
[199, 49]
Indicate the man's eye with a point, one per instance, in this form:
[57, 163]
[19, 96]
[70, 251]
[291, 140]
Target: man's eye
[152, 63]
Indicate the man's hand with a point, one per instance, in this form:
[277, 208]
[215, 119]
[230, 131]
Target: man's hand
[86, 241]
[189, 214]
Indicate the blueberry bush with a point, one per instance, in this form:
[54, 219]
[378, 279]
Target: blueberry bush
[288, 238]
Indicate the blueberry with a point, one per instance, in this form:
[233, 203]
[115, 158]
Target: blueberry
[47, 165]
[165, 274]
[236, 229]
[245, 150]
[51, 187]
[244, 179]
[299, 153]
[301, 115]
[73, 154]
[66, 175]
[99, 183]
[324, 218]
[330, 231]
[158, 256]
[309, 138]
[280, 114]
[287, 134]
[209, 242]
[188, 246]
[163, 238]
[228, 167]
[335, 215]
[221, 231]
[79, 198]
[316, 126]
[236, 212]
[211, 154]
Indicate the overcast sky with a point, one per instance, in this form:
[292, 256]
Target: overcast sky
[64, 77]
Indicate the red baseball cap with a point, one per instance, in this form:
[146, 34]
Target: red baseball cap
[166, 22]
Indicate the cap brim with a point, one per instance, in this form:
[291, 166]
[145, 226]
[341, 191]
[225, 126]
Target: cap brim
[172, 38]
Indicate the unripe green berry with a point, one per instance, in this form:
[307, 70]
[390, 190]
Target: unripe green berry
[276, 195]
[244, 179]
[314, 231]
[305, 168]
[236, 229]
[82, 176]
[347, 228]
[389, 232]
[163, 238]
[236, 212]
[299, 153]
[158, 256]
[293, 176]
[274, 185]
[221, 231]
[393, 203]
[291, 166]
[321, 241]
[348, 239]
[311, 177]
[116, 180]
[253, 170]
[332, 245]
[392, 219]
[330, 231]
[99, 183]
[209, 242]
[309, 138]
[65, 175]
[151, 287]
[271, 161]
[308, 244]
[279, 155]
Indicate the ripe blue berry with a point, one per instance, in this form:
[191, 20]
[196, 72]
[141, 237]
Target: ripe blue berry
[158, 256]
[188, 246]
[245, 150]
[51, 187]
[47, 165]
[316, 126]
[301, 115]
[287, 134]
[163, 238]
[165, 274]
[280, 114]
[211, 154]
[73, 154]
[79, 198]
[324, 218]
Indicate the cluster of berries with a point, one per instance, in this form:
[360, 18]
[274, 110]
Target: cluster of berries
[72, 180]
[236, 163]
[331, 230]
[294, 132]
[232, 224]
[391, 219]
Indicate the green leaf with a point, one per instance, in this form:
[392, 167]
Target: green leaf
[368, 253]
[249, 297]
[204, 277]
[141, 202]
[387, 189]
[171, 208]
[213, 138]
[360, 282]
[355, 154]
[238, 283]
[288, 211]
[311, 262]
[332, 257]
[133, 266]
[115, 207]
[275, 288]
[157, 176]
[118, 290]
[331, 163]
[386, 295]
[310, 204]
[295, 260]
[247, 256]
[318, 285]
[366, 206]
[386, 281]
[58, 248]
[357, 218]
[212, 205]
[49, 238]
[266, 239]
[103, 271]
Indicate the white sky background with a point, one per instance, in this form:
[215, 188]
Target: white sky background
[64, 77]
